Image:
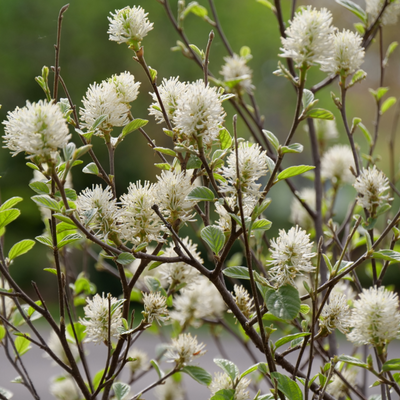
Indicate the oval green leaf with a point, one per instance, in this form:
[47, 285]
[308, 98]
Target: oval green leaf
[20, 248]
[198, 374]
[284, 302]
[214, 237]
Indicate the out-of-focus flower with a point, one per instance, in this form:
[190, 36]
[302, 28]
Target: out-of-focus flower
[170, 390]
[222, 381]
[140, 360]
[184, 349]
[371, 186]
[347, 56]
[138, 223]
[236, 68]
[336, 314]
[129, 25]
[170, 91]
[290, 256]
[6, 303]
[178, 273]
[56, 347]
[389, 16]
[38, 129]
[243, 300]
[97, 319]
[298, 214]
[337, 387]
[375, 317]
[155, 308]
[64, 388]
[309, 37]
[336, 163]
[98, 210]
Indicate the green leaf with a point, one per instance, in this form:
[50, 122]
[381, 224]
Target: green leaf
[120, 390]
[391, 101]
[65, 219]
[91, 169]
[51, 270]
[45, 240]
[159, 371]
[214, 237]
[20, 248]
[261, 225]
[97, 378]
[245, 52]
[272, 139]
[286, 339]
[6, 393]
[125, 258]
[387, 254]
[194, 162]
[80, 331]
[292, 148]
[196, 50]
[308, 99]
[293, 171]
[8, 216]
[237, 272]
[153, 74]
[320, 113]
[391, 365]
[165, 150]
[2, 332]
[250, 370]
[198, 374]
[63, 227]
[152, 283]
[164, 166]
[228, 367]
[224, 394]
[22, 345]
[392, 47]
[268, 4]
[73, 237]
[46, 202]
[260, 208]
[78, 153]
[225, 139]
[10, 203]
[305, 309]
[283, 302]
[98, 122]
[354, 8]
[352, 361]
[195, 8]
[287, 386]
[201, 193]
[39, 187]
[366, 133]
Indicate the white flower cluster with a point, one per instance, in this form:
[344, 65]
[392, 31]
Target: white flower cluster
[140, 360]
[338, 388]
[336, 314]
[64, 388]
[155, 308]
[38, 129]
[110, 98]
[311, 39]
[243, 300]
[184, 349]
[375, 317]
[236, 69]
[290, 256]
[371, 186]
[180, 273]
[389, 16]
[98, 210]
[170, 390]
[194, 109]
[97, 320]
[129, 25]
[336, 163]
[222, 381]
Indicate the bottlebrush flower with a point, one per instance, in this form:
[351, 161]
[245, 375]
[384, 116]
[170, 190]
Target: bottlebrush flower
[184, 349]
[336, 163]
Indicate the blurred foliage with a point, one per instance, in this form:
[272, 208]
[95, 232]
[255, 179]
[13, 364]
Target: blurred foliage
[28, 34]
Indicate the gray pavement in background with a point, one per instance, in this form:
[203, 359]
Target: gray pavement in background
[42, 370]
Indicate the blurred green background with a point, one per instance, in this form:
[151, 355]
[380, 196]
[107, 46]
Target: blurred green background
[28, 34]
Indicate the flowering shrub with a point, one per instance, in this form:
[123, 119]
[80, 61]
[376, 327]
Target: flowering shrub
[305, 282]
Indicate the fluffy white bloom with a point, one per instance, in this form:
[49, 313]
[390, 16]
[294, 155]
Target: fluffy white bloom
[343, 287]
[201, 301]
[184, 349]
[291, 255]
[336, 314]
[235, 67]
[336, 163]
[199, 113]
[97, 321]
[98, 210]
[138, 223]
[102, 99]
[38, 129]
[309, 37]
[348, 55]
[56, 347]
[180, 272]
[390, 15]
[155, 308]
[171, 191]
[125, 86]
[140, 360]
[170, 390]
[371, 186]
[170, 91]
[243, 300]
[252, 166]
[129, 25]
[375, 317]
[326, 129]
[222, 381]
[337, 387]
[298, 214]
[64, 388]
